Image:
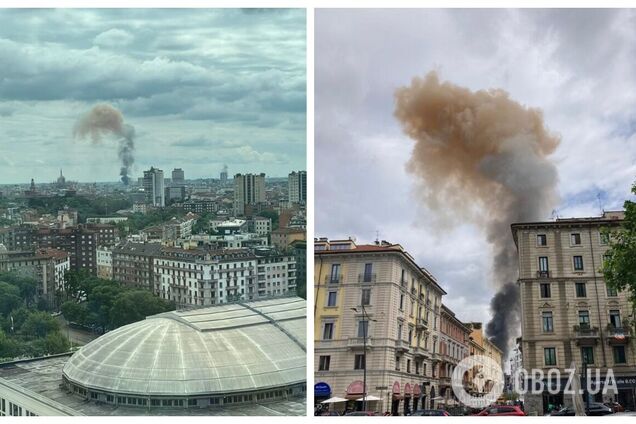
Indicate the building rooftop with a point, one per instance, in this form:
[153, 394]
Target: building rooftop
[219, 349]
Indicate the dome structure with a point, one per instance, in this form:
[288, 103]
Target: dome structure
[217, 355]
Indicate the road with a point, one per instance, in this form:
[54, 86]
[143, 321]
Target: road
[76, 336]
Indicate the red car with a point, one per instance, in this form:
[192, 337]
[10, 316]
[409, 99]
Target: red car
[502, 411]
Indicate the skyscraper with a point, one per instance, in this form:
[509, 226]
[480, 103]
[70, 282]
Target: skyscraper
[153, 186]
[178, 177]
[249, 189]
[224, 175]
[297, 187]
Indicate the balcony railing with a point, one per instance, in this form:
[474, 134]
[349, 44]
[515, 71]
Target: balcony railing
[333, 279]
[617, 335]
[420, 352]
[543, 274]
[583, 332]
[421, 324]
[355, 343]
[367, 278]
[402, 345]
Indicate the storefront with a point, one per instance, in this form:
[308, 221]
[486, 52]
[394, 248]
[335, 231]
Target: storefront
[322, 391]
[355, 391]
[417, 392]
[396, 398]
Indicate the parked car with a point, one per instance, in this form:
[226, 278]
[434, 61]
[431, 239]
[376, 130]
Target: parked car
[361, 414]
[502, 411]
[596, 409]
[430, 413]
[615, 406]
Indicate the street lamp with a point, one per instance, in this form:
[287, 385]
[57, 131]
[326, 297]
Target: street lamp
[365, 329]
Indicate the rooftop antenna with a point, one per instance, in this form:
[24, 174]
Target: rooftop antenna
[555, 214]
[600, 203]
[377, 237]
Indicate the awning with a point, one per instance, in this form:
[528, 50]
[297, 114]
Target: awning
[334, 399]
[369, 398]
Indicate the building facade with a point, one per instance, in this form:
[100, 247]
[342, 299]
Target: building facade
[453, 347]
[133, 264]
[378, 297]
[249, 189]
[297, 187]
[105, 263]
[154, 187]
[178, 177]
[569, 314]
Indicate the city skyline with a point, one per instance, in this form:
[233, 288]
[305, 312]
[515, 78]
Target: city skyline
[206, 87]
[539, 57]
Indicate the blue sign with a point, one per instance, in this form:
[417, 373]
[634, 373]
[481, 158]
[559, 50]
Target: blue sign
[322, 389]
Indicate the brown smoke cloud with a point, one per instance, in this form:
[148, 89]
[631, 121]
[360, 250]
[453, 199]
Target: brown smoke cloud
[102, 120]
[481, 156]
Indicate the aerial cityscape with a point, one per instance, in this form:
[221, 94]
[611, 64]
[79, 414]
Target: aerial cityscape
[153, 214]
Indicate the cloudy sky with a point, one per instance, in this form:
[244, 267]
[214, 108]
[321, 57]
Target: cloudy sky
[579, 67]
[201, 87]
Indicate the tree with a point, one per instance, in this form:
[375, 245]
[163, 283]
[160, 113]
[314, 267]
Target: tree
[9, 298]
[619, 266]
[26, 286]
[39, 324]
[76, 284]
[100, 301]
[75, 312]
[8, 347]
[135, 305]
[56, 343]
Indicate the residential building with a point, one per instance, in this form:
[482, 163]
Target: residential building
[249, 189]
[480, 345]
[569, 314]
[261, 225]
[282, 238]
[154, 187]
[377, 291]
[453, 347]
[178, 177]
[297, 187]
[105, 262]
[133, 263]
[175, 194]
[223, 176]
[46, 266]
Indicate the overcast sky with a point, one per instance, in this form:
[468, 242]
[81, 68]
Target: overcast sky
[201, 87]
[578, 66]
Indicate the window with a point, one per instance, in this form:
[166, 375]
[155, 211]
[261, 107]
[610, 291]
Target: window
[335, 274]
[542, 240]
[580, 290]
[604, 237]
[619, 355]
[611, 291]
[575, 239]
[615, 318]
[323, 363]
[587, 355]
[549, 355]
[397, 363]
[327, 333]
[408, 366]
[366, 297]
[417, 367]
[331, 298]
[399, 331]
[368, 269]
[410, 335]
[401, 302]
[363, 328]
[548, 326]
[545, 290]
[543, 264]
[402, 279]
[578, 263]
[359, 362]
[584, 319]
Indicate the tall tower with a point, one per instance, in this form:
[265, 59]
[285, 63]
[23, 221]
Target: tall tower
[154, 187]
[249, 189]
[224, 175]
[297, 187]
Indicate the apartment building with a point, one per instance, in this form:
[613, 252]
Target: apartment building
[480, 345]
[453, 347]
[133, 263]
[569, 314]
[47, 266]
[249, 189]
[105, 262]
[297, 187]
[376, 309]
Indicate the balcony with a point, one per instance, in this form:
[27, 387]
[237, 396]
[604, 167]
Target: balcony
[543, 274]
[420, 353]
[333, 279]
[402, 346]
[585, 335]
[421, 324]
[367, 278]
[357, 343]
[617, 335]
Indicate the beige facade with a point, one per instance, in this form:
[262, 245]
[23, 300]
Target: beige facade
[401, 303]
[454, 346]
[568, 312]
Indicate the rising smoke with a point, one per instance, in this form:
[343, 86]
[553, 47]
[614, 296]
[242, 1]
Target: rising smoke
[482, 157]
[103, 119]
